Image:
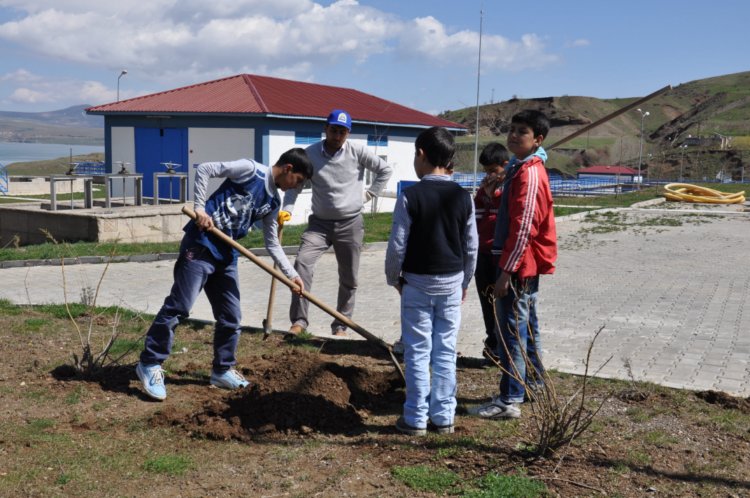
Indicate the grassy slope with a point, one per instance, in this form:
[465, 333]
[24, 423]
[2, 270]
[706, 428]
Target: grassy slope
[51, 167]
[702, 107]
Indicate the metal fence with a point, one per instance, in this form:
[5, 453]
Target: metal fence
[572, 187]
[3, 180]
[90, 168]
[564, 186]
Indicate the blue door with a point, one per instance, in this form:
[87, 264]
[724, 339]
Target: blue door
[154, 146]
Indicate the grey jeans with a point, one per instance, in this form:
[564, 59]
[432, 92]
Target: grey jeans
[346, 237]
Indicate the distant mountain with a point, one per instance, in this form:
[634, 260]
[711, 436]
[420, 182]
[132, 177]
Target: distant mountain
[70, 116]
[70, 125]
[712, 105]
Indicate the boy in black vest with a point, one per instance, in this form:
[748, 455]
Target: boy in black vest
[431, 256]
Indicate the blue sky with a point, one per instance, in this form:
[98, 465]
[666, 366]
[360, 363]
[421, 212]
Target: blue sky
[418, 53]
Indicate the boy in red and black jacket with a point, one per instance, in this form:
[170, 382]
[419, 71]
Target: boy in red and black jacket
[494, 158]
[526, 245]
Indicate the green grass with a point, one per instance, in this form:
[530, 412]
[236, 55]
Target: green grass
[74, 397]
[613, 201]
[660, 438]
[35, 324]
[57, 166]
[565, 211]
[424, 478]
[122, 346]
[377, 229]
[173, 465]
[507, 486]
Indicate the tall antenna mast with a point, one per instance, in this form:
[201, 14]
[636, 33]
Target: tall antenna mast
[476, 131]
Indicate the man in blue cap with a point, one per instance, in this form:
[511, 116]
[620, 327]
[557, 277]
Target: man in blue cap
[338, 197]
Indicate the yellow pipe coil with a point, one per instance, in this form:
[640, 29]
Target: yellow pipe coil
[685, 192]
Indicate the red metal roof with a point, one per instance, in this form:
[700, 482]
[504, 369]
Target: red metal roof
[251, 94]
[608, 170]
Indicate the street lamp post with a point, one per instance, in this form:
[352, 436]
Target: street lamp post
[640, 149]
[122, 73]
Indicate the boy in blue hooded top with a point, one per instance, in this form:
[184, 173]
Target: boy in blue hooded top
[249, 194]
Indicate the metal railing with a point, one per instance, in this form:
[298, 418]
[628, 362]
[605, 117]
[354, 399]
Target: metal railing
[90, 168]
[3, 180]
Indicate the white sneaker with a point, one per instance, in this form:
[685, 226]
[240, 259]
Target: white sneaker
[231, 379]
[495, 409]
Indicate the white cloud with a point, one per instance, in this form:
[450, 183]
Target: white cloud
[581, 42]
[20, 76]
[161, 38]
[171, 43]
[196, 37]
[28, 96]
[35, 89]
[427, 37]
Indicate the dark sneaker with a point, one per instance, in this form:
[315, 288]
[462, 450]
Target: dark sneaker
[404, 428]
[340, 332]
[495, 410]
[152, 378]
[490, 356]
[441, 429]
[231, 379]
[398, 348]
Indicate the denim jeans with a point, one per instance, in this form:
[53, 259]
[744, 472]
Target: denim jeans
[346, 237]
[520, 339]
[485, 276]
[429, 329]
[194, 271]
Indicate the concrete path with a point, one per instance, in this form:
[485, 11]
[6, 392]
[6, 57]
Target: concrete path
[671, 287]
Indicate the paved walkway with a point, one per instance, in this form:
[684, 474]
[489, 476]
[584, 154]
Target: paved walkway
[671, 289]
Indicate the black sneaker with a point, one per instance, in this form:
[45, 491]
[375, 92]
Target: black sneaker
[441, 429]
[404, 428]
[493, 360]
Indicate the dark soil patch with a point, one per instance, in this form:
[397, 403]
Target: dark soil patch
[295, 392]
[725, 400]
[318, 421]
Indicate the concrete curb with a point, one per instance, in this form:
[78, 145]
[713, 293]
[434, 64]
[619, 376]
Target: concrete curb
[148, 258]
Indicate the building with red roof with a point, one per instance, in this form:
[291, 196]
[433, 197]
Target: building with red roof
[251, 116]
[615, 173]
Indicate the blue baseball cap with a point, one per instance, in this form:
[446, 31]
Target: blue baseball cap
[340, 118]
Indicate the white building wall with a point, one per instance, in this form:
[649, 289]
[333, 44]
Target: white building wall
[399, 154]
[280, 141]
[123, 147]
[401, 158]
[217, 144]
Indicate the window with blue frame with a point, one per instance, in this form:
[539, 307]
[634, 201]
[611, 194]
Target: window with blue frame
[377, 140]
[307, 137]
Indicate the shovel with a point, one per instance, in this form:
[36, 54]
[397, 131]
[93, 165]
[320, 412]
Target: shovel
[271, 295]
[276, 274]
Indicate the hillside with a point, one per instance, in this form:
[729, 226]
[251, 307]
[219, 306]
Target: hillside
[70, 125]
[701, 108]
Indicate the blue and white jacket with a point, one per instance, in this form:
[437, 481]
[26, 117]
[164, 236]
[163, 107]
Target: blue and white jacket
[248, 195]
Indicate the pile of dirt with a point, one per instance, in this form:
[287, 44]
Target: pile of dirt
[293, 392]
[725, 400]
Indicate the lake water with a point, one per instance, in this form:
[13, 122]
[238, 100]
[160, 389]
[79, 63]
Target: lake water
[15, 152]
